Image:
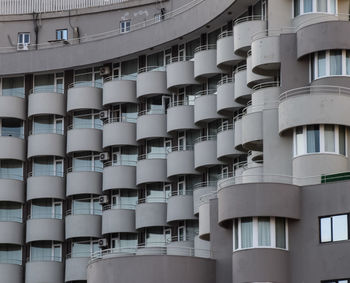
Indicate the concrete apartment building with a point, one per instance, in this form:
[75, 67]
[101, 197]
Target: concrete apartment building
[175, 141]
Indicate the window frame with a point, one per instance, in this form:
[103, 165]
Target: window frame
[22, 35]
[331, 217]
[125, 26]
[62, 32]
[314, 8]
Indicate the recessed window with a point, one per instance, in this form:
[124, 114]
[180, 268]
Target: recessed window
[319, 139]
[260, 232]
[314, 6]
[23, 38]
[334, 228]
[62, 34]
[125, 26]
[330, 63]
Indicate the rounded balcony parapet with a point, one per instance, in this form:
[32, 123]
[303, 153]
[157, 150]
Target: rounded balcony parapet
[119, 89]
[205, 64]
[225, 46]
[84, 95]
[46, 101]
[180, 72]
[151, 81]
[13, 106]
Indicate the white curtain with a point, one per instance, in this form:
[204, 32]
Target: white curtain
[264, 231]
[246, 232]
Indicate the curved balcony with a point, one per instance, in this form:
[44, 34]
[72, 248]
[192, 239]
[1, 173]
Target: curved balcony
[11, 273]
[201, 270]
[12, 188]
[12, 231]
[151, 81]
[12, 148]
[119, 90]
[151, 212]
[252, 128]
[84, 140]
[44, 271]
[46, 102]
[254, 79]
[180, 161]
[45, 228]
[243, 30]
[83, 182]
[45, 187]
[180, 207]
[242, 92]
[270, 265]
[120, 219]
[271, 198]
[76, 268]
[225, 47]
[205, 61]
[180, 116]
[310, 19]
[226, 104]
[83, 225]
[226, 143]
[13, 107]
[183, 247]
[200, 190]
[205, 152]
[310, 102]
[256, 155]
[238, 133]
[151, 168]
[250, 172]
[180, 72]
[44, 144]
[205, 107]
[84, 95]
[309, 168]
[151, 124]
[119, 176]
[266, 58]
[204, 221]
[201, 247]
[118, 132]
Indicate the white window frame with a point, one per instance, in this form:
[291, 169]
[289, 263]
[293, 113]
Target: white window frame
[255, 242]
[322, 142]
[314, 8]
[63, 32]
[125, 26]
[21, 37]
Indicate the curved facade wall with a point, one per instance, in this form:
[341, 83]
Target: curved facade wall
[266, 55]
[76, 269]
[151, 83]
[151, 215]
[119, 134]
[84, 97]
[43, 272]
[46, 144]
[151, 126]
[13, 107]
[224, 54]
[11, 273]
[205, 109]
[180, 118]
[84, 183]
[226, 99]
[11, 233]
[118, 221]
[180, 74]
[84, 140]
[205, 154]
[180, 163]
[119, 91]
[151, 170]
[46, 187]
[45, 230]
[186, 211]
[205, 64]
[83, 226]
[12, 148]
[12, 190]
[119, 177]
[226, 145]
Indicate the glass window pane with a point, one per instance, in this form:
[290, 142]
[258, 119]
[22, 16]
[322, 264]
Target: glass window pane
[246, 232]
[264, 231]
[326, 234]
[329, 137]
[43, 166]
[336, 62]
[12, 127]
[236, 234]
[340, 227]
[296, 8]
[332, 6]
[342, 140]
[13, 86]
[300, 148]
[44, 83]
[280, 233]
[313, 138]
[321, 5]
[321, 64]
[308, 6]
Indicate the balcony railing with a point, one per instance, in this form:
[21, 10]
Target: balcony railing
[150, 68]
[85, 84]
[84, 211]
[129, 206]
[43, 258]
[152, 155]
[11, 218]
[47, 89]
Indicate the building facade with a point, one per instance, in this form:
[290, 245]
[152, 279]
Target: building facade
[192, 141]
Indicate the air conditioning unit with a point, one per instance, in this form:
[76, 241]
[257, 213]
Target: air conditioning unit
[102, 243]
[103, 199]
[104, 156]
[103, 114]
[22, 46]
[105, 71]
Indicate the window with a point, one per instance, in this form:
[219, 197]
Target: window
[86, 206]
[334, 228]
[337, 281]
[84, 248]
[86, 162]
[45, 251]
[12, 127]
[10, 254]
[13, 86]
[255, 232]
[62, 34]
[319, 139]
[125, 26]
[330, 63]
[47, 166]
[10, 211]
[11, 169]
[314, 6]
[48, 83]
[23, 38]
[46, 208]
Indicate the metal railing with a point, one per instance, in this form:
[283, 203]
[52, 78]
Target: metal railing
[225, 127]
[205, 92]
[225, 34]
[47, 89]
[45, 216]
[315, 90]
[89, 124]
[11, 261]
[266, 85]
[44, 258]
[46, 131]
[11, 7]
[123, 119]
[45, 173]
[85, 84]
[11, 218]
[11, 133]
[205, 48]
[12, 93]
[150, 68]
[120, 162]
[240, 68]
[152, 200]
[11, 176]
[225, 80]
[151, 112]
[120, 78]
[161, 249]
[249, 19]
[119, 206]
[180, 148]
[205, 138]
[186, 102]
[205, 184]
[84, 211]
[180, 59]
[152, 155]
[184, 192]
[92, 168]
